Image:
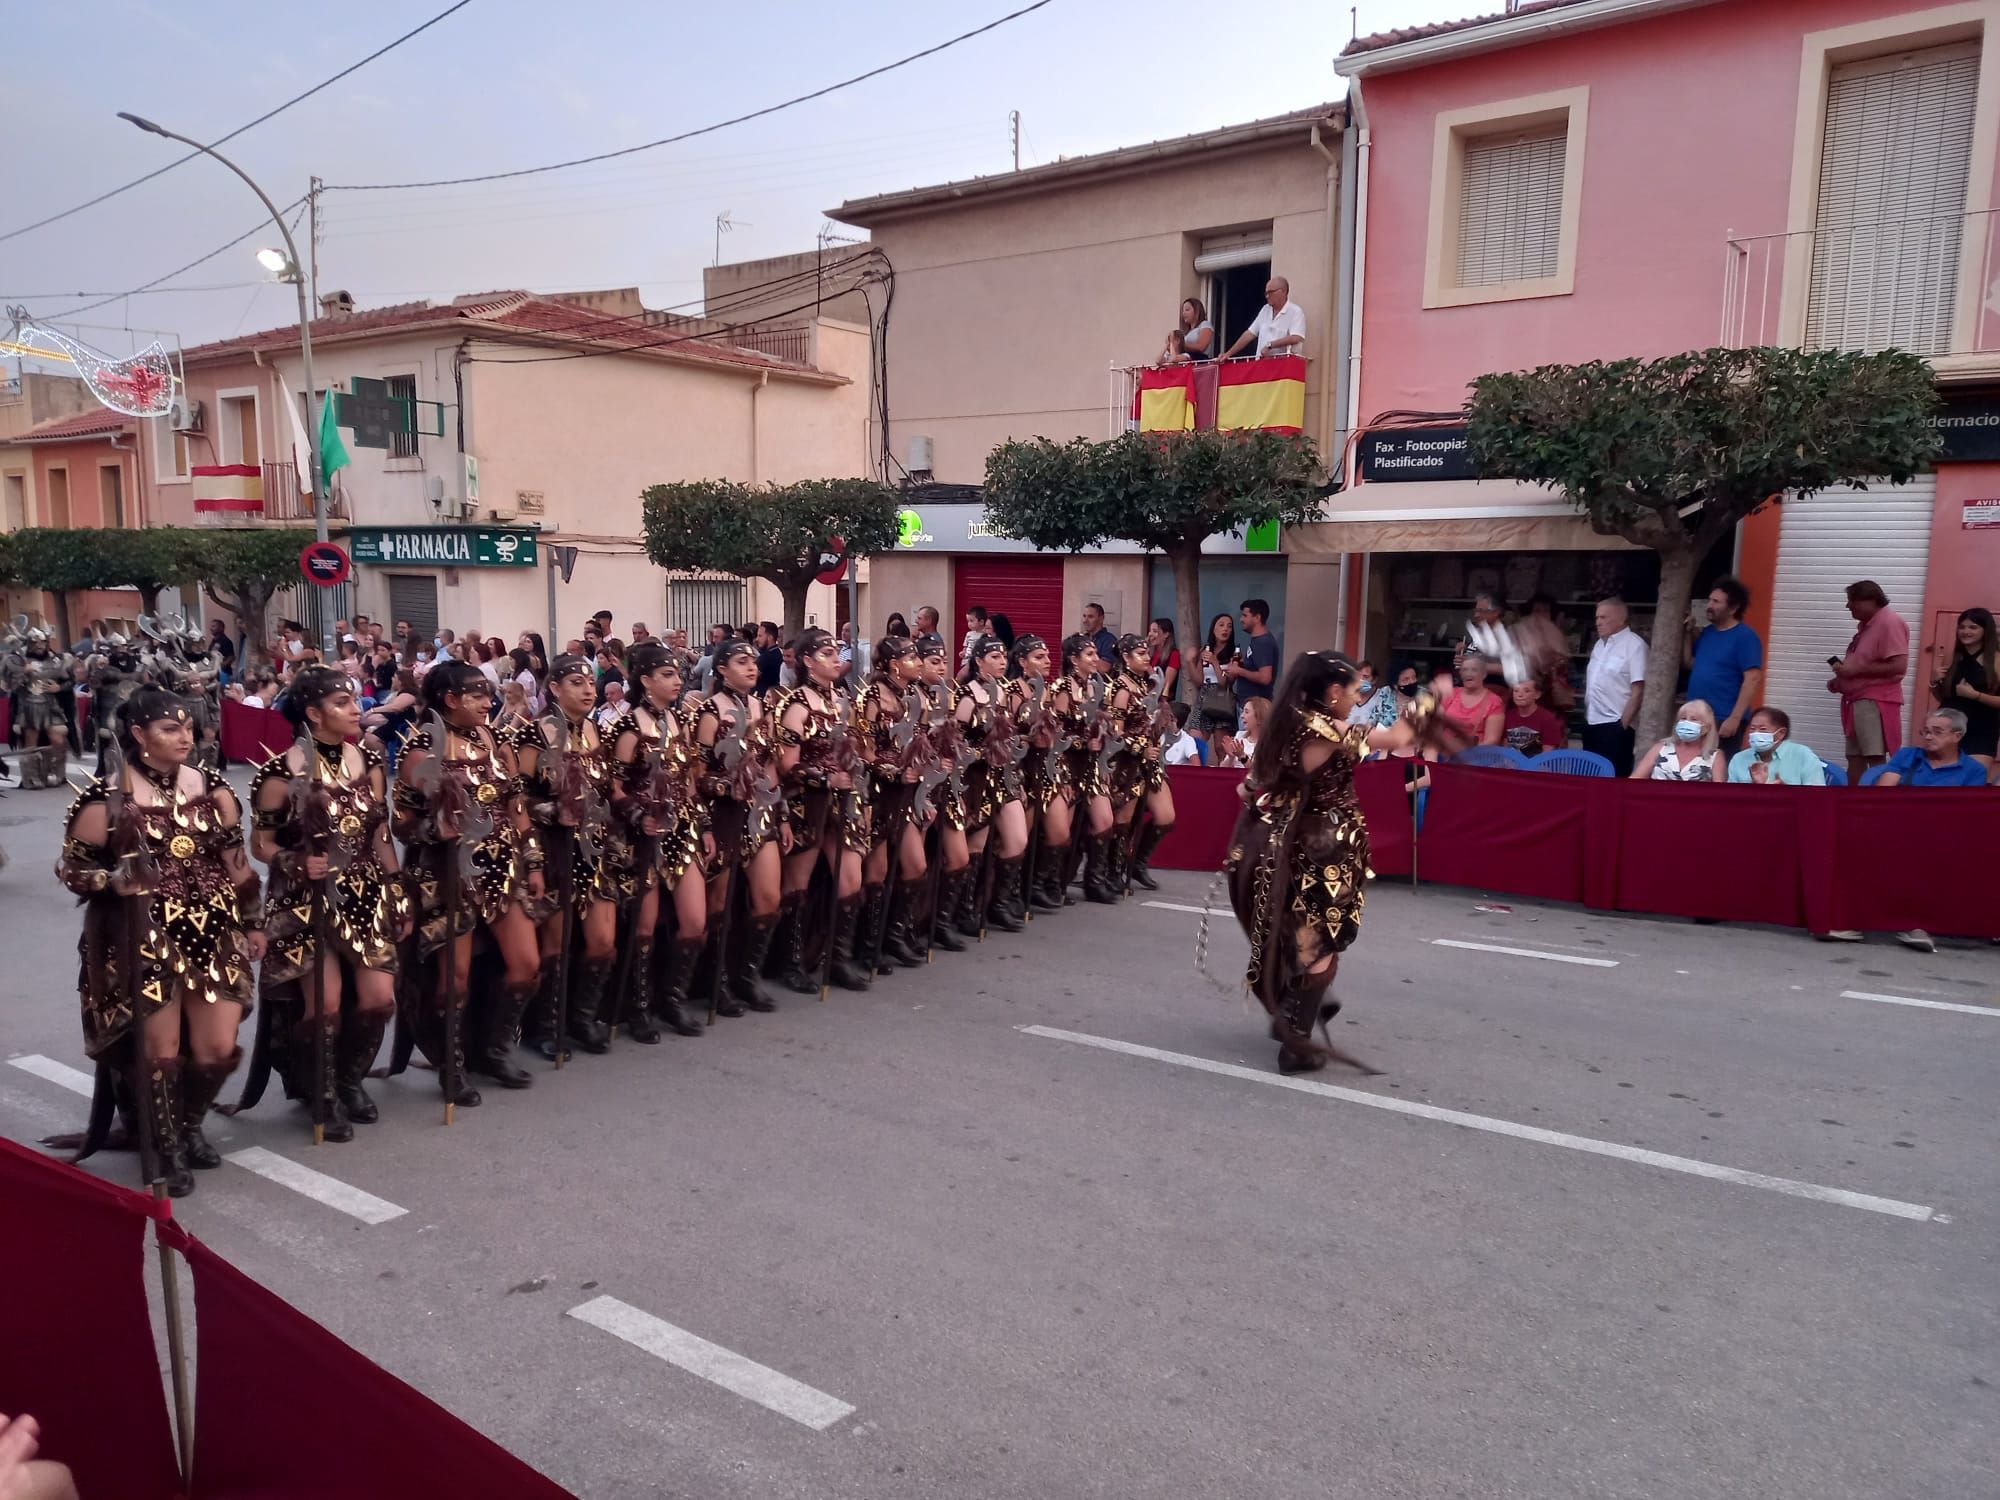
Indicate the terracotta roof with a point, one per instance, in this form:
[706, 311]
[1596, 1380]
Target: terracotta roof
[1377, 40]
[866, 211]
[508, 317]
[103, 422]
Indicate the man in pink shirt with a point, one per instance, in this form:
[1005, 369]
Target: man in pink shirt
[1869, 679]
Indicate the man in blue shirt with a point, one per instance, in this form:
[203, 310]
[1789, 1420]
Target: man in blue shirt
[1254, 672]
[1726, 661]
[1938, 763]
[1099, 635]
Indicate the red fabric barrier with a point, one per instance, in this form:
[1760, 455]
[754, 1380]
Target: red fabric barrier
[288, 1409]
[76, 1348]
[253, 735]
[1902, 857]
[1385, 803]
[1205, 809]
[1480, 822]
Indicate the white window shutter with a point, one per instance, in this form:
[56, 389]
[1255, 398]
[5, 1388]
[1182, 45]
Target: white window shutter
[1893, 167]
[1510, 208]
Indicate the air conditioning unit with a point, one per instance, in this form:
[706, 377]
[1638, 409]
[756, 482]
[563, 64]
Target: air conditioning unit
[500, 513]
[185, 414]
[434, 490]
[921, 455]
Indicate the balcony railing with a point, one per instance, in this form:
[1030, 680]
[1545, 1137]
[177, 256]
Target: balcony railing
[794, 344]
[1890, 283]
[1202, 394]
[285, 501]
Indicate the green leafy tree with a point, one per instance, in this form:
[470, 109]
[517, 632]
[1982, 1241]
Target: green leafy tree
[1672, 453]
[775, 531]
[1168, 492]
[244, 568]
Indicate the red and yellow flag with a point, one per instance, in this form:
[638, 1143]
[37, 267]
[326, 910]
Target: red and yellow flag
[1166, 399]
[1265, 393]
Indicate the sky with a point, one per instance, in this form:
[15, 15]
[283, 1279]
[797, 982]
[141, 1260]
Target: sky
[503, 84]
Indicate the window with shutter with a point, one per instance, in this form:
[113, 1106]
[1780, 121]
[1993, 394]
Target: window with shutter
[1894, 159]
[1510, 209]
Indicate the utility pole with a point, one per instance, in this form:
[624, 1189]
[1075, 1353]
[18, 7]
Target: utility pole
[313, 189]
[1014, 129]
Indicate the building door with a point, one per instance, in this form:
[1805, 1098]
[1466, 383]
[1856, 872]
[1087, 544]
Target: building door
[58, 498]
[111, 496]
[1825, 543]
[14, 515]
[1027, 590]
[414, 597]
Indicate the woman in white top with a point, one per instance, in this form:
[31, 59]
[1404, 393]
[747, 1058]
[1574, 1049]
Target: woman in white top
[1690, 753]
[1194, 339]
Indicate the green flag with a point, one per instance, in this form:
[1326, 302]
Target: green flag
[332, 451]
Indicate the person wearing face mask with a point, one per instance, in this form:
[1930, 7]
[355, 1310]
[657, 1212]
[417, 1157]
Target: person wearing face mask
[1772, 757]
[1690, 753]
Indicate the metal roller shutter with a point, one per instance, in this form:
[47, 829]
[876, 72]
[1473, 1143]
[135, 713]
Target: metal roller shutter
[1027, 590]
[1225, 252]
[414, 597]
[1824, 544]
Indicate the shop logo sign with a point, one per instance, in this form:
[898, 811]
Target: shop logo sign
[910, 529]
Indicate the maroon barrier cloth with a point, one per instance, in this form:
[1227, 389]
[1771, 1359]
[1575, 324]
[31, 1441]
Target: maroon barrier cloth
[1206, 804]
[253, 735]
[76, 1343]
[1385, 803]
[285, 1409]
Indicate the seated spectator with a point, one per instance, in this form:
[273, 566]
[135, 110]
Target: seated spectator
[1237, 749]
[1940, 760]
[262, 691]
[1185, 749]
[1526, 719]
[1472, 707]
[1773, 757]
[607, 712]
[513, 712]
[1691, 753]
[1195, 337]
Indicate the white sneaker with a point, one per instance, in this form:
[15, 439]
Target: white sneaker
[1917, 938]
[1840, 935]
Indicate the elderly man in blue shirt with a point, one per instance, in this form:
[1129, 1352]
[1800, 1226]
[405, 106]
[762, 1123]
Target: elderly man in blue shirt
[1772, 757]
[1938, 761]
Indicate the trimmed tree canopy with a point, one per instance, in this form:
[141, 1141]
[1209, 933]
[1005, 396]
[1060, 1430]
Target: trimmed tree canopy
[1673, 453]
[775, 531]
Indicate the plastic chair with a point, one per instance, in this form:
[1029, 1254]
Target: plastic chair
[1572, 763]
[1873, 774]
[1835, 775]
[1500, 757]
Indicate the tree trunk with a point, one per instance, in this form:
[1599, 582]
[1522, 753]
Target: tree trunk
[65, 636]
[794, 594]
[249, 606]
[149, 597]
[1663, 658]
[1186, 560]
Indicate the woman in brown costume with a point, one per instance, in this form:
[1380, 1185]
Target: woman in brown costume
[461, 815]
[1028, 695]
[892, 784]
[1138, 780]
[173, 920]
[750, 837]
[320, 821]
[949, 853]
[993, 812]
[658, 842]
[817, 768]
[1298, 859]
[1077, 700]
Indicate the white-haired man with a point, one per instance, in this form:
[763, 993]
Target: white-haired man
[1280, 324]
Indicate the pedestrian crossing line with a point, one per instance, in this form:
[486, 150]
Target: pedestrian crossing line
[321, 1188]
[61, 1074]
[1554, 958]
[1970, 1010]
[713, 1363]
[1181, 906]
[1791, 1187]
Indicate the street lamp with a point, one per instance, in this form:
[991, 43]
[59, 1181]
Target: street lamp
[278, 264]
[298, 280]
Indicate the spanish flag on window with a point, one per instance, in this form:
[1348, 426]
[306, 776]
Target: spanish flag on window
[1266, 393]
[1166, 399]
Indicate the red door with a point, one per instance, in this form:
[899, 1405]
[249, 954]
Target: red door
[1027, 590]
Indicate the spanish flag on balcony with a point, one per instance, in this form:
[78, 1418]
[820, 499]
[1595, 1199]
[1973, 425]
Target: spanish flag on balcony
[1266, 393]
[1166, 399]
[228, 487]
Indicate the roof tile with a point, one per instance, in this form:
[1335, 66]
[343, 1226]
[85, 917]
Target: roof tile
[103, 422]
[1380, 39]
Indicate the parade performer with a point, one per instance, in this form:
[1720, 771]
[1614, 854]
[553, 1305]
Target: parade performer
[566, 769]
[889, 718]
[950, 855]
[1078, 702]
[173, 920]
[1298, 858]
[817, 767]
[996, 826]
[474, 863]
[1028, 690]
[1143, 725]
[658, 842]
[733, 732]
[38, 679]
[337, 908]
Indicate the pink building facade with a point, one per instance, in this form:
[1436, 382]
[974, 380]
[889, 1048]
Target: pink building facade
[1595, 179]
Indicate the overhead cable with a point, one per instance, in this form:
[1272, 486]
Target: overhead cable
[147, 286]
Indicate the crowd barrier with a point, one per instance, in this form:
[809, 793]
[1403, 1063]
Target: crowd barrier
[282, 1407]
[1822, 858]
[251, 736]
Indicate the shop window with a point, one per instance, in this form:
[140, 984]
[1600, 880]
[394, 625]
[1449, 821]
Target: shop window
[1506, 188]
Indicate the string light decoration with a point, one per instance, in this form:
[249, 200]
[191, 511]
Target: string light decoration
[140, 385]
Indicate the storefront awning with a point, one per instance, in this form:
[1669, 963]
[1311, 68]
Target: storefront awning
[1474, 515]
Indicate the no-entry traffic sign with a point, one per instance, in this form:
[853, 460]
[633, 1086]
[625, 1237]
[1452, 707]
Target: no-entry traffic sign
[832, 561]
[324, 563]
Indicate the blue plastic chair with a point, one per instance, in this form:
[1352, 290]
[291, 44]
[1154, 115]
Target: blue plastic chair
[1873, 774]
[1500, 757]
[1572, 763]
[1835, 775]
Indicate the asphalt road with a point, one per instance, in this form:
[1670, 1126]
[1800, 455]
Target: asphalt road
[1682, 1221]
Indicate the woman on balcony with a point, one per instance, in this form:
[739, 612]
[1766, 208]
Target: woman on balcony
[1194, 339]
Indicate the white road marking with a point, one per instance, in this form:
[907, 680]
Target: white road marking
[1970, 1010]
[745, 1377]
[1221, 911]
[1554, 958]
[62, 1074]
[334, 1193]
[1693, 1168]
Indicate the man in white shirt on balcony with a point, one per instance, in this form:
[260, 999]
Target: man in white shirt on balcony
[1280, 324]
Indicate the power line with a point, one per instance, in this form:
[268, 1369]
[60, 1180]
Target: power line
[755, 114]
[200, 260]
[268, 114]
[212, 286]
